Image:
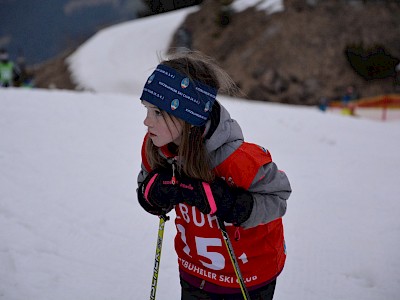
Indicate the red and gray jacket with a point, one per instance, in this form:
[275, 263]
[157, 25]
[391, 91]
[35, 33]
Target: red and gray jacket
[259, 242]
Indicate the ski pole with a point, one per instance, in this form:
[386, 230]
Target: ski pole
[157, 259]
[229, 247]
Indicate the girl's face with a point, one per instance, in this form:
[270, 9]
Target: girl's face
[162, 130]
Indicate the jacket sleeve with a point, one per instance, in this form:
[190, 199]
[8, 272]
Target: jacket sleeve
[145, 167]
[270, 190]
[142, 175]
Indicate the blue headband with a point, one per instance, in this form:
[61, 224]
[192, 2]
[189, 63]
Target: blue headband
[174, 93]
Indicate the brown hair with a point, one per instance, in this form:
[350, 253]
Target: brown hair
[193, 157]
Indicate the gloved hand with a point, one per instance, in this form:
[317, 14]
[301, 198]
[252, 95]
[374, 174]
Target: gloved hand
[230, 204]
[158, 193]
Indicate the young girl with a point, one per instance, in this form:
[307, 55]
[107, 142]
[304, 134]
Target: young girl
[195, 160]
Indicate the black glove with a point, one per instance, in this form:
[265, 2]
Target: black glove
[158, 193]
[232, 205]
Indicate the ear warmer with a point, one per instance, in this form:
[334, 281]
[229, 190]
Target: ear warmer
[179, 96]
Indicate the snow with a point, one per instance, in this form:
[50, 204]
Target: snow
[270, 6]
[70, 224]
[95, 63]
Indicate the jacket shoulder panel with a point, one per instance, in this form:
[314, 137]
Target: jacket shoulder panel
[241, 167]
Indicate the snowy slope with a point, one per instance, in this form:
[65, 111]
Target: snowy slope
[133, 48]
[70, 225]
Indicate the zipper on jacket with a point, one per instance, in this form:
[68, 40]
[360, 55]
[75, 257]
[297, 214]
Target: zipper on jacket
[173, 179]
[172, 161]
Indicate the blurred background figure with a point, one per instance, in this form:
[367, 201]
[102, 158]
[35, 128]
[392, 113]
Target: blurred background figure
[349, 96]
[323, 103]
[25, 78]
[9, 72]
